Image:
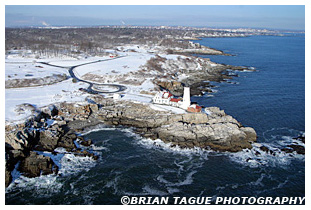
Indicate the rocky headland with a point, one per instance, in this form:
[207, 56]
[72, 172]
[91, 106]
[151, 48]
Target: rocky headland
[59, 125]
[62, 124]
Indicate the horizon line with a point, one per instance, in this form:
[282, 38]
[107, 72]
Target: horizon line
[153, 26]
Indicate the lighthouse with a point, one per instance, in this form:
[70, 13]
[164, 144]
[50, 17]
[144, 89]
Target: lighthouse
[186, 98]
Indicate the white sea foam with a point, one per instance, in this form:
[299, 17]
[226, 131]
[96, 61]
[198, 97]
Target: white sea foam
[71, 164]
[279, 185]
[146, 190]
[41, 186]
[278, 138]
[98, 148]
[154, 144]
[288, 140]
[61, 150]
[255, 157]
[159, 144]
[161, 179]
[92, 147]
[44, 185]
[15, 173]
[96, 128]
[258, 182]
[153, 191]
[186, 181]
[276, 134]
[172, 190]
[113, 184]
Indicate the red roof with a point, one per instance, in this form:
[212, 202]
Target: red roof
[174, 100]
[197, 107]
[194, 108]
[169, 94]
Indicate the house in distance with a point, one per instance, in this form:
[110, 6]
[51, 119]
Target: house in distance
[166, 98]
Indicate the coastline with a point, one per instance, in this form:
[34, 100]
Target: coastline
[60, 125]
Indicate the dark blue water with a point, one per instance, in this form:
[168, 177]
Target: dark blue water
[274, 96]
[271, 100]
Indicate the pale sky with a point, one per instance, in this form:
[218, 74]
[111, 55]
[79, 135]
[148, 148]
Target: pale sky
[272, 17]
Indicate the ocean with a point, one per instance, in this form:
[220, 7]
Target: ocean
[270, 99]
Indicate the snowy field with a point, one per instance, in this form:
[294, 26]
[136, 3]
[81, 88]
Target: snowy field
[129, 59]
[130, 62]
[75, 62]
[41, 96]
[20, 68]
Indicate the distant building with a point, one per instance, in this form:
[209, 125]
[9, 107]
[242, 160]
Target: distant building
[113, 55]
[165, 97]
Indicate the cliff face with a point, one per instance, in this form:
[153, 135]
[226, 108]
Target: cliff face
[56, 126]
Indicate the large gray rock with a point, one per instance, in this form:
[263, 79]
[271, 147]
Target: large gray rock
[50, 110]
[8, 177]
[215, 111]
[48, 140]
[195, 118]
[35, 165]
[11, 159]
[215, 130]
[12, 141]
[222, 136]
[250, 133]
[67, 141]
[20, 139]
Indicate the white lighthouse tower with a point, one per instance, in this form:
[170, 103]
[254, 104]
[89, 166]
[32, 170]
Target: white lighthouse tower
[186, 98]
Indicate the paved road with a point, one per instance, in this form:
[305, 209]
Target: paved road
[90, 89]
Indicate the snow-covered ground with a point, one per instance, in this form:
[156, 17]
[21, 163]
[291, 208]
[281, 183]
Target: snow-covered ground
[41, 96]
[74, 62]
[17, 67]
[130, 62]
[20, 68]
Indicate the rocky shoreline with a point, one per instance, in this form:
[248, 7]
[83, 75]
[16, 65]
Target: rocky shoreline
[59, 126]
[199, 81]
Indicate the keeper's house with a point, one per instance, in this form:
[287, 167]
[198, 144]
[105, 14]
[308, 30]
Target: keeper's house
[165, 97]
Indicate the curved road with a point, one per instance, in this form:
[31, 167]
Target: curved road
[91, 84]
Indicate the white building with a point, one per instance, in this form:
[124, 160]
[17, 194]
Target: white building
[162, 97]
[186, 98]
[165, 97]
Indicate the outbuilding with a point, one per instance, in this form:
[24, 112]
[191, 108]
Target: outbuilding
[194, 108]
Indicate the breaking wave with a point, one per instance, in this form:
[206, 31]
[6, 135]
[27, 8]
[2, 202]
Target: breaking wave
[256, 157]
[68, 164]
